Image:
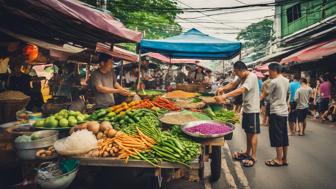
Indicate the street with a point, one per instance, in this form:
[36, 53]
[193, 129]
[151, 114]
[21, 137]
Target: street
[311, 160]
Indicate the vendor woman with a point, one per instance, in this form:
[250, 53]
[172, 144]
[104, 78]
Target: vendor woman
[105, 83]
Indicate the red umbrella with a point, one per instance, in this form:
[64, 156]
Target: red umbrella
[312, 53]
[262, 68]
[166, 59]
[259, 74]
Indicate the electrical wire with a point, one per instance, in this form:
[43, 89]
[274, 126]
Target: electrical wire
[240, 2]
[139, 6]
[204, 14]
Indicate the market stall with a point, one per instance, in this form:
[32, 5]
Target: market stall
[197, 45]
[140, 134]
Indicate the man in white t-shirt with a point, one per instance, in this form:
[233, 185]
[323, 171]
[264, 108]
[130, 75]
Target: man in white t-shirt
[278, 132]
[251, 108]
[301, 98]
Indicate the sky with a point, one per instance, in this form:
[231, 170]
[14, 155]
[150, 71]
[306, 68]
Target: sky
[226, 25]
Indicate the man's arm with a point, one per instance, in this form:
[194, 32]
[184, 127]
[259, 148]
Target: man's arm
[263, 94]
[236, 92]
[229, 86]
[296, 97]
[107, 90]
[121, 89]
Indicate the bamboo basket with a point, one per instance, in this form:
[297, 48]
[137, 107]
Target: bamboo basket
[10, 107]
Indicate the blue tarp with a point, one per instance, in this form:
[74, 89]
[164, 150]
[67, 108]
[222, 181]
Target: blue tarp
[192, 44]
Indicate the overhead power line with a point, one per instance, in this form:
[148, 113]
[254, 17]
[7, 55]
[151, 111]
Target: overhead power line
[205, 14]
[206, 9]
[240, 2]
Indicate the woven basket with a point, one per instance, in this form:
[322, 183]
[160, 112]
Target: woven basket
[8, 109]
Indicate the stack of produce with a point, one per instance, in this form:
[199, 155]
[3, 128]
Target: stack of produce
[27, 138]
[110, 113]
[100, 130]
[148, 124]
[146, 103]
[190, 104]
[150, 92]
[209, 129]
[123, 146]
[113, 112]
[45, 153]
[173, 148]
[62, 119]
[165, 104]
[158, 102]
[222, 115]
[180, 94]
[178, 118]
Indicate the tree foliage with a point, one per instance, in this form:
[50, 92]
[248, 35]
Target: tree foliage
[257, 36]
[155, 18]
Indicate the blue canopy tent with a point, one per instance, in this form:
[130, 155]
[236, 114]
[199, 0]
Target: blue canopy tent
[193, 44]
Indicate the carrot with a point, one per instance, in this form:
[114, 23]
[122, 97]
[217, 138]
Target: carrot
[126, 159]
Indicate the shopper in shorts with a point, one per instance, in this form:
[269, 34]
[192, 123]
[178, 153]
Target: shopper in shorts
[278, 133]
[302, 100]
[251, 109]
[292, 117]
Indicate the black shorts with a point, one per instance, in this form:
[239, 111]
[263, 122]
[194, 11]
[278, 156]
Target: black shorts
[324, 104]
[251, 123]
[302, 114]
[278, 132]
[292, 117]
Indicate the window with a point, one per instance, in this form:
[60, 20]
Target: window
[293, 13]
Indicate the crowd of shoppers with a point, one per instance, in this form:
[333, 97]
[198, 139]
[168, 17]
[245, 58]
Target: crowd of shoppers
[285, 101]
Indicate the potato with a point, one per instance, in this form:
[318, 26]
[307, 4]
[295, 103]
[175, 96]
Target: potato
[100, 135]
[40, 152]
[105, 154]
[48, 153]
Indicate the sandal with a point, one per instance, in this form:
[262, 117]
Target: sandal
[273, 163]
[249, 162]
[239, 156]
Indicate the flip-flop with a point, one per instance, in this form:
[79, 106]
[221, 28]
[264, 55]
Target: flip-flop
[273, 163]
[246, 162]
[239, 156]
[285, 164]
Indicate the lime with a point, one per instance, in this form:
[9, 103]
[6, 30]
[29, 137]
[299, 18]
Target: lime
[51, 122]
[52, 117]
[77, 113]
[35, 137]
[86, 116]
[59, 117]
[63, 123]
[39, 123]
[63, 111]
[71, 117]
[72, 122]
[54, 123]
[80, 118]
[72, 113]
